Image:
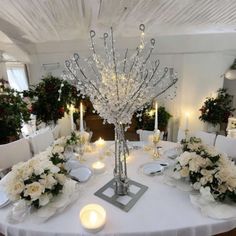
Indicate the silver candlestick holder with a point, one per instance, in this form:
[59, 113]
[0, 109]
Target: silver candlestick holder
[121, 185]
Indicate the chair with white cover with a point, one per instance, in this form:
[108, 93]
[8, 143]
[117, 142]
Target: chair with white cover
[144, 134]
[56, 131]
[14, 152]
[180, 135]
[207, 138]
[226, 145]
[41, 141]
[231, 133]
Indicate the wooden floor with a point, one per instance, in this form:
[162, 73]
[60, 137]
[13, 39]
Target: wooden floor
[230, 233]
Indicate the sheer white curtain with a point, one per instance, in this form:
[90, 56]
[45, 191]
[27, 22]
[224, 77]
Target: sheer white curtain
[17, 76]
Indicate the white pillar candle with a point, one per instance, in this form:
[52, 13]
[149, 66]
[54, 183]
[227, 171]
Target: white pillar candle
[156, 116]
[186, 121]
[93, 217]
[98, 167]
[81, 118]
[100, 143]
[71, 117]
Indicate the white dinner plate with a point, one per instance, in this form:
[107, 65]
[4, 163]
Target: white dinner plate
[152, 168]
[4, 200]
[81, 174]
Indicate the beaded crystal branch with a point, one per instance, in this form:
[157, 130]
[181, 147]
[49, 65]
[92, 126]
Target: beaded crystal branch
[118, 86]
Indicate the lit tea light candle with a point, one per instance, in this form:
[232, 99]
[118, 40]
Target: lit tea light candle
[100, 143]
[93, 217]
[98, 167]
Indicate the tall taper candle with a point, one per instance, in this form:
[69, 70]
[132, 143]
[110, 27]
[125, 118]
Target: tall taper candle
[186, 120]
[81, 118]
[156, 116]
[71, 117]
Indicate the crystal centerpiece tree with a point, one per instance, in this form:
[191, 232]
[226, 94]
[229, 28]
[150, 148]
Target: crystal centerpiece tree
[118, 86]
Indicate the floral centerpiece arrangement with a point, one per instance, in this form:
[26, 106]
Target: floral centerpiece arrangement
[217, 110]
[207, 170]
[38, 180]
[51, 99]
[13, 112]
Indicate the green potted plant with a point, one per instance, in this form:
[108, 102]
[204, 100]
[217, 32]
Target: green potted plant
[13, 112]
[51, 99]
[216, 111]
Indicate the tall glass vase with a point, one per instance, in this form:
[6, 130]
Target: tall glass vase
[121, 152]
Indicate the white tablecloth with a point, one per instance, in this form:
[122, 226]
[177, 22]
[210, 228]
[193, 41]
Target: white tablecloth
[162, 210]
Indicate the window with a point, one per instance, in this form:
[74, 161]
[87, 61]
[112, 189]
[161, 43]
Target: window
[17, 76]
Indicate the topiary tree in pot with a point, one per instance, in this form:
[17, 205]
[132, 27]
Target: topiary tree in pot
[217, 110]
[13, 112]
[51, 99]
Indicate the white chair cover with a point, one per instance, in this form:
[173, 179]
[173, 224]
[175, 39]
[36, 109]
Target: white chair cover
[12, 153]
[56, 131]
[65, 125]
[207, 138]
[41, 141]
[231, 133]
[144, 134]
[226, 145]
[181, 135]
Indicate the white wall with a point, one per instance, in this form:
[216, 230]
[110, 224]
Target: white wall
[202, 77]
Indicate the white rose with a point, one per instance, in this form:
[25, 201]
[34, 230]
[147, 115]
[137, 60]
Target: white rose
[196, 163]
[16, 187]
[54, 169]
[38, 170]
[26, 172]
[44, 200]
[184, 172]
[61, 178]
[34, 190]
[197, 185]
[57, 149]
[231, 182]
[61, 141]
[184, 158]
[48, 181]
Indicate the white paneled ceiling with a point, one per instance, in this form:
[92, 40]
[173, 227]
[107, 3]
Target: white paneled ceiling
[39, 21]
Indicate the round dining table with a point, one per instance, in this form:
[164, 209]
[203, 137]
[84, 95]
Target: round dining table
[162, 210]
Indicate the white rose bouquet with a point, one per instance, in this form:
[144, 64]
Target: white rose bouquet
[38, 180]
[206, 168]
